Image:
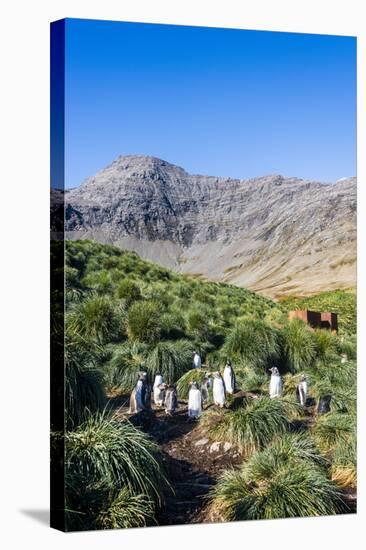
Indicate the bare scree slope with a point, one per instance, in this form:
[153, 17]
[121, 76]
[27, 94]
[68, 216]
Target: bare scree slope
[271, 234]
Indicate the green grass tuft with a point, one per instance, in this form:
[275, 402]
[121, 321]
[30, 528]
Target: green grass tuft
[254, 425]
[286, 479]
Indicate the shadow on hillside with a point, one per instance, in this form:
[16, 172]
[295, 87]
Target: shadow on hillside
[168, 428]
[190, 491]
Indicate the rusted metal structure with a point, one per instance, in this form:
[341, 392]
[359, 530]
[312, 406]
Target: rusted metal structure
[312, 318]
[329, 320]
[316, 319]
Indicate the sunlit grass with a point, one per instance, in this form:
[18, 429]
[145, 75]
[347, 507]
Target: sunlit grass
[286, 479]
[252, 426]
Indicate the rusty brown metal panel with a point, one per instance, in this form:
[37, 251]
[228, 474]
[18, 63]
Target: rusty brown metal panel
[316, 319]
[329, 320]
[298, 314]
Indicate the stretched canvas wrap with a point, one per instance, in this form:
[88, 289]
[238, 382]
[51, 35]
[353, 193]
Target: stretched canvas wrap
[203, 254]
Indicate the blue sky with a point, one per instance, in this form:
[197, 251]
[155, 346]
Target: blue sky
[214, 101]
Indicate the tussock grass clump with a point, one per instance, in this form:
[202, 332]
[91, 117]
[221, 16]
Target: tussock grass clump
[74, 296]
[338, 380]
[334, 429]
[283, 480]
[96, 318]
[113, 471]
[345, 476]
[343, 399]
[143, 321]
[348, 345]
[325, 343]
[299, 345]
[100, 281]
[184, 382]
[84, 392]
[129, 291]
[252, 341]
[126, 510]
[344, 463]
[104, 451]
[172, 325]
[290, 383]
[200, 320]
[248, 379]
[297, 446]
[171, 359]
[84, 389]
[254, 425]
[127, 360]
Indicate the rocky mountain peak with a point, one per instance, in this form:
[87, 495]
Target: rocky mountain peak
[273, 234]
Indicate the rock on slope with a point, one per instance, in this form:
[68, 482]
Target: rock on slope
[271, 234]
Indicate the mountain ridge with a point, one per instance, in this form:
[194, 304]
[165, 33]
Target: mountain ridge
[272, 234]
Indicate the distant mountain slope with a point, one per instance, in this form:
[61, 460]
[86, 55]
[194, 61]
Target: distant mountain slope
[271, 234]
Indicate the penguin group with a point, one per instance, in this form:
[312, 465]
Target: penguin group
[222, 385]
[276, 386]
[165, 395]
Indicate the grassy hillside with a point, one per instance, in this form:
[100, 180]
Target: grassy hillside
[186, 307]
[342, 302]
[124, 315]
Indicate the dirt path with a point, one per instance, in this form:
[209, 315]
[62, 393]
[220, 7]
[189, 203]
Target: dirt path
[193, 462]
[191, 481]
